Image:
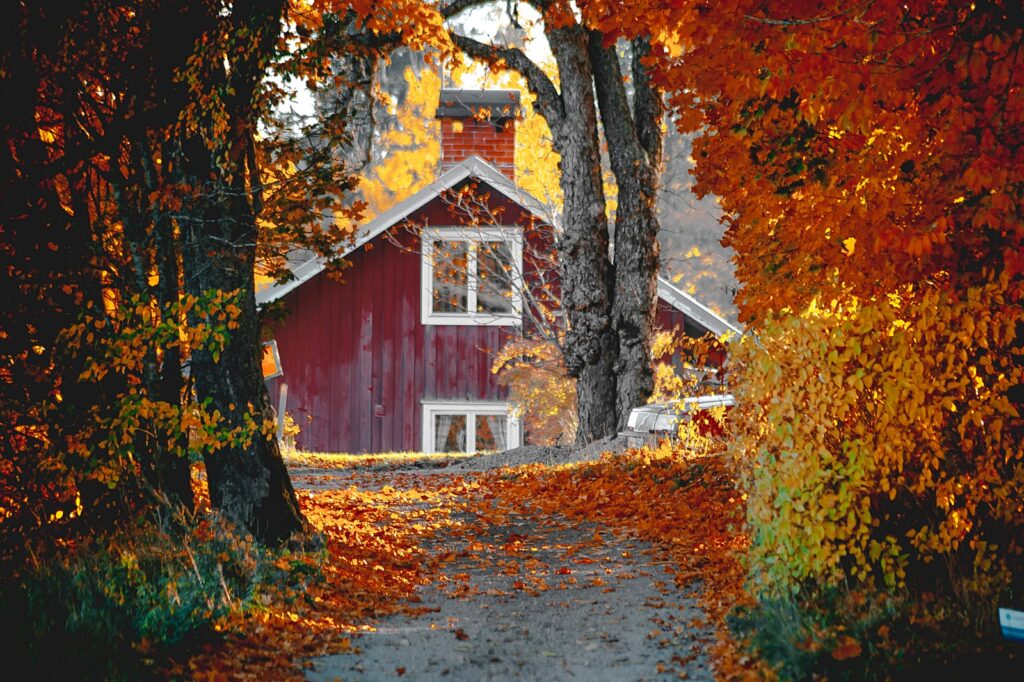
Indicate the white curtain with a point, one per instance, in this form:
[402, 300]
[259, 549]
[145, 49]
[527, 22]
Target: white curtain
[449, 433]
[491, 432]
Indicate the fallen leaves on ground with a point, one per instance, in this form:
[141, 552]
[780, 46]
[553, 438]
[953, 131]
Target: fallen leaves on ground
[386, 532]
[688, 507]
[373, 559]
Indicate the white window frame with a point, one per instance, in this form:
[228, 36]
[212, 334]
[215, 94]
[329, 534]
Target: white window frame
[471, 409]
[513, 236]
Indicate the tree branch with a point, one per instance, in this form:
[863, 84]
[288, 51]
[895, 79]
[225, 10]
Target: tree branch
[549, 102]
[648, 107]
[450, 9]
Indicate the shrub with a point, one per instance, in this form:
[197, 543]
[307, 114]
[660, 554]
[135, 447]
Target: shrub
[540, 388]
[882, 455]
[102, 608]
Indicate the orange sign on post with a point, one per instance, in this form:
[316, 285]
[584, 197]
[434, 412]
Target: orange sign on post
[271, 361]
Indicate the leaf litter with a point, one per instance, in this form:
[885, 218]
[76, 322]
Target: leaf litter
[615, 566]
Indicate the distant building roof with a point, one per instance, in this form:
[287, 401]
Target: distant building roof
[500, 104]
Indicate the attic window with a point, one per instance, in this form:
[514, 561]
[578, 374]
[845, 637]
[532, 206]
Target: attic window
[472, 276]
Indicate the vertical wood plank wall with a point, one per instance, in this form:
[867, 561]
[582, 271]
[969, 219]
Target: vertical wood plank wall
[348, 347]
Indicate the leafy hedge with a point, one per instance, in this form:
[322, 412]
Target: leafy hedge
[883, 463]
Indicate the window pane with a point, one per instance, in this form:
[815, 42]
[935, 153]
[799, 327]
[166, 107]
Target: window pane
[449, 433]
[450, 288]
[496, 283]
[490, 432]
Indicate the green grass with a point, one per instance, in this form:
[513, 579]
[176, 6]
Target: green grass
[385, 460]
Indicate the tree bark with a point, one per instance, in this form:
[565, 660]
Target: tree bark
[634, 150]
[247, 478]
[590, 349]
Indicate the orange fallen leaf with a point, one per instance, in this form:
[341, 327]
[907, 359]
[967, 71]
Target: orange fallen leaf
[847, 647]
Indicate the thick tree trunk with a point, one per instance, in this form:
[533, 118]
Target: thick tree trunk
[634, 150]
[591, 347]
[247, 477]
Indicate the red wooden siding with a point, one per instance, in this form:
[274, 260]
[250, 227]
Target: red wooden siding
[668, 317]
[348, 347]
[358, 362]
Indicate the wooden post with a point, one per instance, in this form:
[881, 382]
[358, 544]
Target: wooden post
[282, 402]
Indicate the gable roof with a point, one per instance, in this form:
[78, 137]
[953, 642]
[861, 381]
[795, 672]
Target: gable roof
[694, 309]
[476, 167]
[472, 166]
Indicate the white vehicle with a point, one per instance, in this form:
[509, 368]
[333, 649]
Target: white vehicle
[648, 423]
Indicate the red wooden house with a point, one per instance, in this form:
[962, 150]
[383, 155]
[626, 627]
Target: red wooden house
[397, 357]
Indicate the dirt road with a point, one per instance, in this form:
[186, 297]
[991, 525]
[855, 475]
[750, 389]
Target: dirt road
[530, 598]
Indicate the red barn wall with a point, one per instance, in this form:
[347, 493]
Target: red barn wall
[668, 317]
[348, 347]
[358, 361]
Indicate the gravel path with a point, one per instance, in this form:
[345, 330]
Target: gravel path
[531, 599]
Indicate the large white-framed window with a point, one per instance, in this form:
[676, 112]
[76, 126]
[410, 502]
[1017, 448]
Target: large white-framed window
[472, 275]
[465, 426]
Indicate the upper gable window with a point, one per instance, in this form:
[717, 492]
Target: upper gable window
[472, 276]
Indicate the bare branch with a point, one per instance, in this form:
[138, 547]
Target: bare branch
[450, 9]
[549, 102]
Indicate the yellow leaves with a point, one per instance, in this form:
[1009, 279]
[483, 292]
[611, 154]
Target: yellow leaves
[916, 399]
[413, 147]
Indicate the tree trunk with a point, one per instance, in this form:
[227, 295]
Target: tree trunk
[591, 347]
[247, 477]
[634, 150]
[173, 471]
[149, 245]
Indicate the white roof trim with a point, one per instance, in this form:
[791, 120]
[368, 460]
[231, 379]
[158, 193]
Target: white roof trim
[694, 309]
[473, 166]
[476, 167]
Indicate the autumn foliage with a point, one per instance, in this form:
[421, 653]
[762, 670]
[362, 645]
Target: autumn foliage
[868, 158]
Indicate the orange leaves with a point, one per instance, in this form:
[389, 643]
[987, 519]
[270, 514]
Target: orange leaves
[688, 508]
[846, 648]
[809, 135]
[374, 540]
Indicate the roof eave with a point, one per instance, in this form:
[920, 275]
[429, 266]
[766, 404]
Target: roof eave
[472, 166]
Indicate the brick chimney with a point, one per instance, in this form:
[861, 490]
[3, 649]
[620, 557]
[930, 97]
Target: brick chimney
[479, 123]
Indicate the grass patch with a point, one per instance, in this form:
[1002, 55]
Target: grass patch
[842, 634]
[385, 460]
[112, 606]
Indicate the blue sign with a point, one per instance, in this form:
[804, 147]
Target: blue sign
[1012, 623]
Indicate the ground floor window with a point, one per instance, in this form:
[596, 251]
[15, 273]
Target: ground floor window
[468, 427]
